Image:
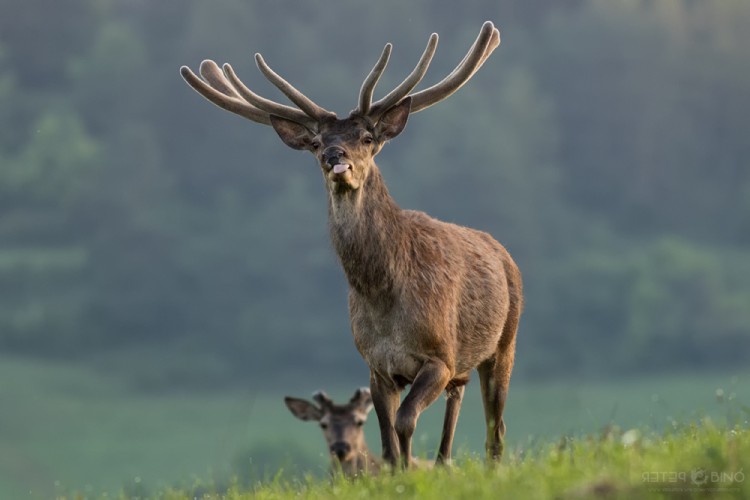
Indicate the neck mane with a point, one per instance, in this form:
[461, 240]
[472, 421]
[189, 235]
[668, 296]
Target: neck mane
[366, 230]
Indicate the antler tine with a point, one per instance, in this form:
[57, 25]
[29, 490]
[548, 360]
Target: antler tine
[264, 104]
[493, 44]
[294, 95]
[359, 394]
[212, 74]
[486, 42]
[409, 82]
[322, 399]
[368, 86]
[223, 100]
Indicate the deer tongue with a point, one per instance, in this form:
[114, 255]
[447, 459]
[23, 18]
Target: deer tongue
[340, 168]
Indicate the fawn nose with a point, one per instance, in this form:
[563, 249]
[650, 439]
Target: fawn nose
[332, 155]
[341, 449]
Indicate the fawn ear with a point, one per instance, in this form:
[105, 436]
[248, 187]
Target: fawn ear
[362, 399]
[393, 121]
[293, 134]
[303, 410]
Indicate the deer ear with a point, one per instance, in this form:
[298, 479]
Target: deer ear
[293, 134]
[393, 121]
[303, 410]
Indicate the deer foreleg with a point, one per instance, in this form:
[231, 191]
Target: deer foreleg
[430, 381]
[385, 399]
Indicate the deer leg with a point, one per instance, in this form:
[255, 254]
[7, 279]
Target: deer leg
[494, 379]
[493, 397]
[385, 399]
[452, 407]
[425, 389]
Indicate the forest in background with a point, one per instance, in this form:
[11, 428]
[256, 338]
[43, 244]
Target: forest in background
[144, 231]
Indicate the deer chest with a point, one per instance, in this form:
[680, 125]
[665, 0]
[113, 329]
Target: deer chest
[390, 348]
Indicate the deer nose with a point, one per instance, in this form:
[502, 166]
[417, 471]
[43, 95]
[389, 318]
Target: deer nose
[341, 449]
[332, 155]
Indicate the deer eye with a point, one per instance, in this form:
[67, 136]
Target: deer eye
[323, 425]
[359, 423]
[367, 139]
[315, 144]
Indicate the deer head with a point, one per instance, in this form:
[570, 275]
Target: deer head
[342, 425]
[345, 147]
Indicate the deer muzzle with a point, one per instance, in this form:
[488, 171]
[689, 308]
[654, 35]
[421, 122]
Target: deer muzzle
[332, 155]
[341, 449]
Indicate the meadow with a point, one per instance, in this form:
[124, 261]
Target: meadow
[70, 429]
[694, 461]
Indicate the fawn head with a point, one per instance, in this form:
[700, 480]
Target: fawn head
[342, 425]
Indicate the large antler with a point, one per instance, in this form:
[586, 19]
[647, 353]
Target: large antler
[486, 42]
[227, 91]
[222, 87]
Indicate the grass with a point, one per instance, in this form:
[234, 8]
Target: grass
[693, 461]
[70, 428]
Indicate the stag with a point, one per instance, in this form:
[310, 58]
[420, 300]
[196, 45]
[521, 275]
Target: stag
[343, 429]
[429, 301]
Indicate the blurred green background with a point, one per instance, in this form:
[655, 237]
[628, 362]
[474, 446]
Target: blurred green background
[165, 270]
